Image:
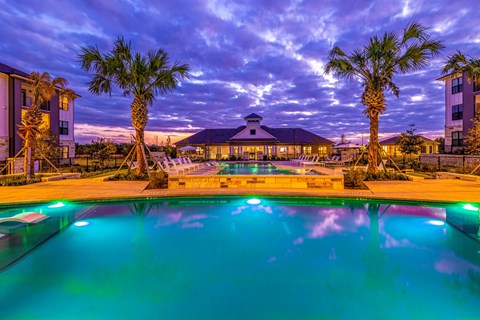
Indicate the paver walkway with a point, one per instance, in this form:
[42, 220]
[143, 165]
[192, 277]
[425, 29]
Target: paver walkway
[94, 189]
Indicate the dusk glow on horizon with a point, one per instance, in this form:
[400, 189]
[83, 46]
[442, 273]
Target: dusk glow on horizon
[264, 57]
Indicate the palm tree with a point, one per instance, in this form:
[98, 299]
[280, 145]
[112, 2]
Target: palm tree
[44, 87]
[376, 65]
[144, 76]
[459, 63]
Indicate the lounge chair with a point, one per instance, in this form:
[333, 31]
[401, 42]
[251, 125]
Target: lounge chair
[301, 159]
[310, 163]
[24, 218]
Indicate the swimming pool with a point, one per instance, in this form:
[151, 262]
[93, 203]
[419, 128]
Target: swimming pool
[254, 168]
[234, 258]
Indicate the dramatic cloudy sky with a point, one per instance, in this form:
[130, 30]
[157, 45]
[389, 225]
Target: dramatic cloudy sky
[262, 56]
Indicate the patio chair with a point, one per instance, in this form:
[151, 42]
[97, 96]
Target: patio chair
[25, 217]
[311, 163]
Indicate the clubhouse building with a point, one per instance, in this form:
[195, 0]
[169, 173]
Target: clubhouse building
[254, 141]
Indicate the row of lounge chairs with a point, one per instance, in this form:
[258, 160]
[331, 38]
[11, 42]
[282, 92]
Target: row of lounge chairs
[304, 160]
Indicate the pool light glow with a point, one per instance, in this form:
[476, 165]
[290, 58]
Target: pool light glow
[470, 207]
[436, 222]
[81, 223]
[57, 205]
[254, 201]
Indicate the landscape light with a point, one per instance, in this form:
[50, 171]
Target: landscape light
[254, 201]
[81, 223]
[57, 205]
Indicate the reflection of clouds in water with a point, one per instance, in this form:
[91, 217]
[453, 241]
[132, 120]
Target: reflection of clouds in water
[193, 217]
[298, 241]
[361, 220]
[391, 242]
[321, 229]
[196, 224]
[189, 221]
[267, 209]
[239, 210]
[169, 219]
[451, 264]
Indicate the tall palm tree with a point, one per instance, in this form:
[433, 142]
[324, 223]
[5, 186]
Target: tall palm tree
[376, 65]
[144, 76]
[44, 87]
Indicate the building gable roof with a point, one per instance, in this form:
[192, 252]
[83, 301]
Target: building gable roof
[260, 134]
[394, 140]
[10, 70]
[282, 135]
[253, 116]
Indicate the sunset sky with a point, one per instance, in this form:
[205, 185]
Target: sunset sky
[265, 57]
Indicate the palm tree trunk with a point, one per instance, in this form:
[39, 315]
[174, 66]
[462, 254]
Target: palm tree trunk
[29, 155]
[139, 121]
[373, 144]
[374, 99]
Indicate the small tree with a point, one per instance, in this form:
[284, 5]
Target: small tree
[101, 150]
[441, 144]
[473, 137]
[409, 142]
[47, 143]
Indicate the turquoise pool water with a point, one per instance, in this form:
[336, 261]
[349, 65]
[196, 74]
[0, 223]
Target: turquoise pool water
[259, 168]
[223, 258]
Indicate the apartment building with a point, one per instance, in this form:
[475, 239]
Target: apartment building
[462, 103]
[16, 95]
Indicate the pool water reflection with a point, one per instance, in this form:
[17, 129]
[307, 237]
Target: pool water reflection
[230, 258]
[258, 168]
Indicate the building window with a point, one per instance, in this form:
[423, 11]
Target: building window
[63, 128]
[457, 85]
[283, 149]
[457, 112]
[307, 150]
[45, 106]
[253, 132]
[322, 150]
[24, 98]
[476, 85]
[477, 105]
[64, 152]
[457, 139]
[63, 103]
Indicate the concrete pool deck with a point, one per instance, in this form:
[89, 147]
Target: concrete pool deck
[443, 190]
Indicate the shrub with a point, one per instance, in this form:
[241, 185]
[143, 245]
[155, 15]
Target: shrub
[129, 176]
[385, 176]
[18, 180]
[354, 179]
[158, 180]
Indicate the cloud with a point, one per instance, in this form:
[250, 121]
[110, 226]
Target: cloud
[255, 56]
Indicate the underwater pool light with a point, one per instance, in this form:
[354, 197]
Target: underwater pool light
[81, 223]
[436, 222]
[254, 201]
[470, 207]
[57, 205]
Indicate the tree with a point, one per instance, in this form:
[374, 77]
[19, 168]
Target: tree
[376, 65]
[473, 137]
[101, 150]
[145, 76]
[459, 63]
[410, 143]
[441, 144]
[44, 87]
[47, 144]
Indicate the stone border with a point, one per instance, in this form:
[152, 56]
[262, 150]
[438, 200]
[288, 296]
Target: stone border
[315, 182]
